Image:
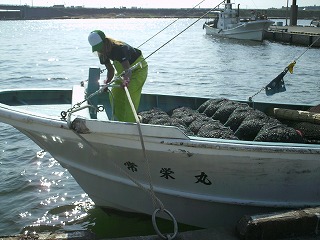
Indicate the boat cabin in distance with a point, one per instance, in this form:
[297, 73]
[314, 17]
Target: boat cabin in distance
[228, 24]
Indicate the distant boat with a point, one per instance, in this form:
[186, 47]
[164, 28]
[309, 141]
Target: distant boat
[315, 23]
[228, 24]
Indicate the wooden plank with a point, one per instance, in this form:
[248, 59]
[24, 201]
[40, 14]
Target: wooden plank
[280, 225]
[296, 115]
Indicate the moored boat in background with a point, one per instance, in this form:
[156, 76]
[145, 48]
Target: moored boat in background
[315, 22]
[228, 24]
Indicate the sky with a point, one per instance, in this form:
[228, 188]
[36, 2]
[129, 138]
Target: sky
[245, 4]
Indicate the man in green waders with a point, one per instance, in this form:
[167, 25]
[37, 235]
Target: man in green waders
[119, 56]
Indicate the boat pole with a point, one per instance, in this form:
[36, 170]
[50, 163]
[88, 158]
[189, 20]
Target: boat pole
[93, 86]
[294, 13]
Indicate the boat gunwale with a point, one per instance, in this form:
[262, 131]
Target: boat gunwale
[188, 141]
[181, 140]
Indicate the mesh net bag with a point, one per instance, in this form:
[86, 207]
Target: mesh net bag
[166, 120]
[252, 124]
[223, 112]
[240, 122]
[160, 120]
[177, 123]
[309, 131]
[216, 130]
[200, 121]
[185, 115]
[249, 129]
[182, 111]
[152, 113]
[273, 132]
[213, 106]
[207, 103]
[237, 117]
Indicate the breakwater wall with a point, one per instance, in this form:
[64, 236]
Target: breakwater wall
[27, 12]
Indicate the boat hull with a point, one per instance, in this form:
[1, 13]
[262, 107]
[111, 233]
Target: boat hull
[202, 182]
[244, 31]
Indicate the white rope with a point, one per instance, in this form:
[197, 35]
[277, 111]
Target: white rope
[154, 197]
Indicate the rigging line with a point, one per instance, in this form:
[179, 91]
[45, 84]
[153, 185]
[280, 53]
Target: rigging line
[294, 62]
[170, 24]
[184, 30]
[139, 63]
[254, 4]
[307, 49]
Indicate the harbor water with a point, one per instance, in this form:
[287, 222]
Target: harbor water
[36, 193]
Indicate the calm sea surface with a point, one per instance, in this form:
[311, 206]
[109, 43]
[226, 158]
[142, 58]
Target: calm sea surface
[36, 193]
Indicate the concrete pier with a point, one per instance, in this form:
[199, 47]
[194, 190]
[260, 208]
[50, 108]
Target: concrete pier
[295, 35]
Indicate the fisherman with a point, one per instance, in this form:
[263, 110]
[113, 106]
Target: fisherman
[119, 56]
[253, 15]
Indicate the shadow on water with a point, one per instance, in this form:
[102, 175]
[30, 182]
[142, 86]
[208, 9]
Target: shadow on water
[104, 223]
[114, 223]
[231, 41]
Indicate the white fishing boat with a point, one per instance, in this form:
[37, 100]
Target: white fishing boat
[315, 22]
[228, 24]
[199, 180]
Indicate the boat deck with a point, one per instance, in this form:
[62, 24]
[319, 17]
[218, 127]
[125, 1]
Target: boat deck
[51, 110]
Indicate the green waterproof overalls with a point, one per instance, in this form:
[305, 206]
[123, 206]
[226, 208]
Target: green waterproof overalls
[122, 108]
[118, 98]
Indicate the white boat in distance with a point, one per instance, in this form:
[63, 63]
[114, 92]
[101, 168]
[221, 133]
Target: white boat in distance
[228, 24]
[315, 22]
[201, 180]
